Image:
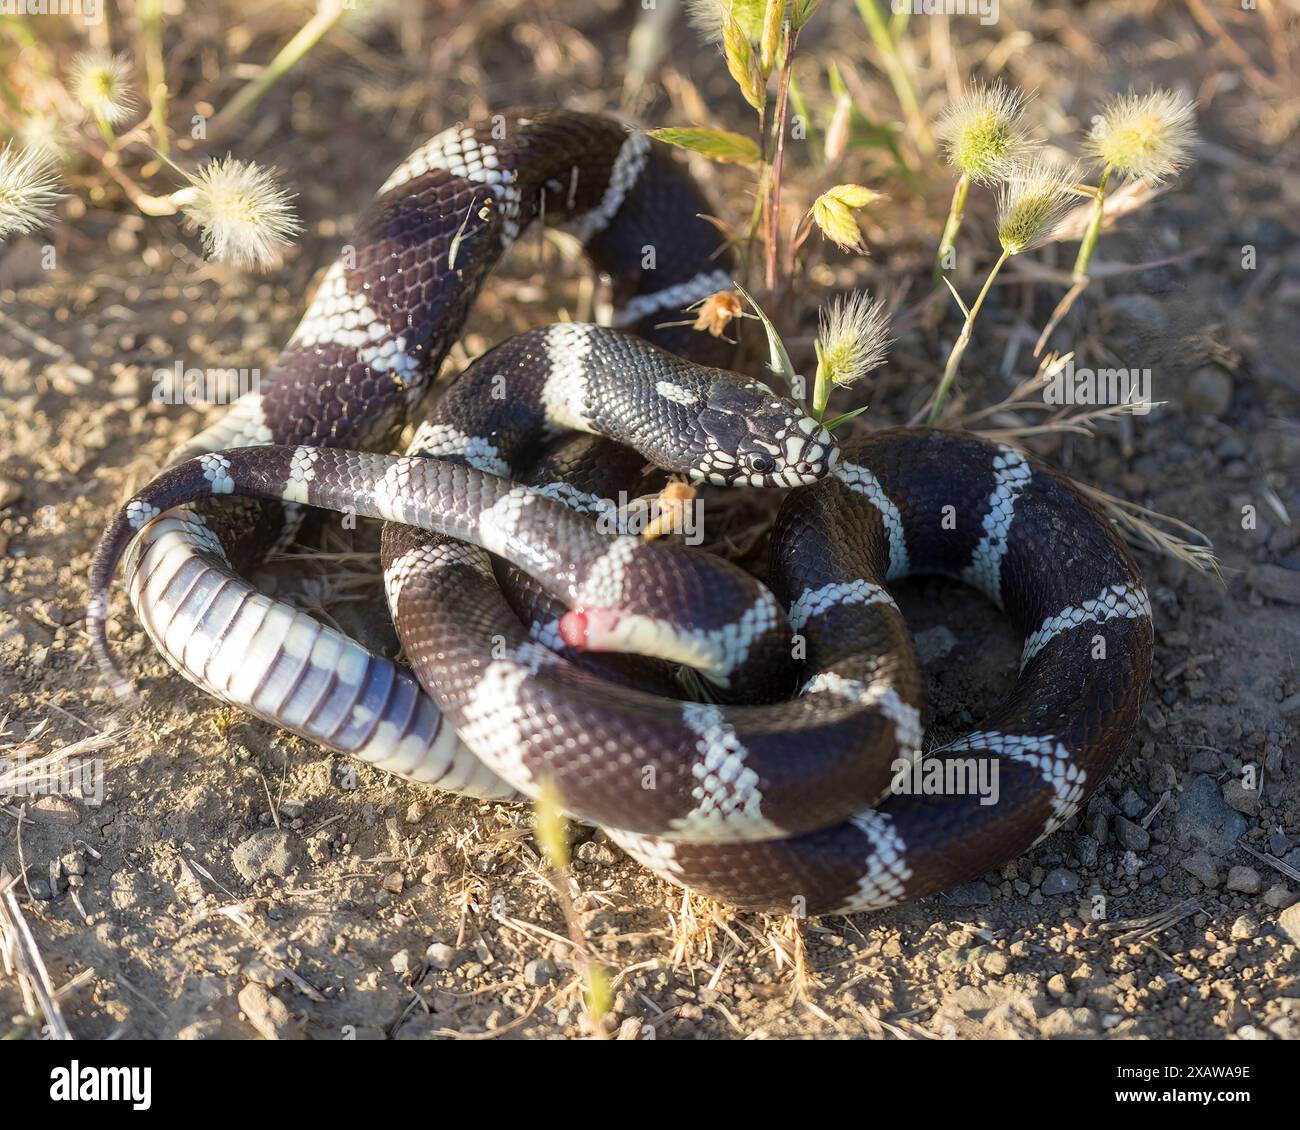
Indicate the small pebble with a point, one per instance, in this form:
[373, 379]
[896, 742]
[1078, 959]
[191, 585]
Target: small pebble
[1244, 800]
[1244, 879]
[440, 955]
[10, 492]
[1131, 805]
[1087, 851]
[1131, 836]
[266, 1013]
[539, 971]
[1289, 920]
[1279, 896]
[1059, 881]
[393, 882]
[1244, 928]
[1201, 866]
[592, 852]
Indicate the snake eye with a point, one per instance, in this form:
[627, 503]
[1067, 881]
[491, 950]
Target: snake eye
[759, 463]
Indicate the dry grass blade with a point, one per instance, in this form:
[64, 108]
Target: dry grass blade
[1129, 197]
[1151, 925]
[1278, 865]
[1143, 527]
[26, 769]
[22, 956]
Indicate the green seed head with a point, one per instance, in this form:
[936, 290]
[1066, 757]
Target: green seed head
[101, 83]
[1146, 136]
[984, 132]
[854, 337]
[1032, 202]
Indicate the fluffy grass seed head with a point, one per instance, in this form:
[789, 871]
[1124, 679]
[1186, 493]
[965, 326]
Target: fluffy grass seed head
[984, 133]
[28, 190]
[102, 84]
[1147, 136]
[710, 17]
[242, 212]
[46, 133]
[853, 337]
[1031, 202]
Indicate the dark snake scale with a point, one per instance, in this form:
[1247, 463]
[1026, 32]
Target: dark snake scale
[759, 743]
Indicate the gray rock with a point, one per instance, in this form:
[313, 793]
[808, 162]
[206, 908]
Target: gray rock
[592, 852]
[41, 890]
[1244, 928]
[1289, 920]
[976, 893]
[540, 971]
[440, 955]
[1201, 866]
[1059, 881]
[1208, 392]
[1131, 836]
[1205, 821]
[1244, 879]
[1131, 805]
[1098, 828]
[1275, 582]
[270, 852]
[1279, 895]
[1138, 313]
[1244, 800]
[1087, 850]
[934, 643]
[267, 1013]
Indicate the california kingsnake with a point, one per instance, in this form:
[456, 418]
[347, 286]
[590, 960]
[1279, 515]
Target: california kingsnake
[759, 798]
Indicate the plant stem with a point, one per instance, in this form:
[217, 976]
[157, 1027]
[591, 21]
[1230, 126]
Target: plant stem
[963, 340]
[947, 245]
[151, 25]
[778, 159]
[289, 55]
[821, 385]
[896, 69]
[760, 196]
[1094, 230]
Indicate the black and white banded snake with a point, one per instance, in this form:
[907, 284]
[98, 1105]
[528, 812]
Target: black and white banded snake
[778, 792]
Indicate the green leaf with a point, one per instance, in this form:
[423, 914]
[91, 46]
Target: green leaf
[716, 144]
[831, 425]
[779, 359]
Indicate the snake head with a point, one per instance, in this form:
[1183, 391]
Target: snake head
[752, 437]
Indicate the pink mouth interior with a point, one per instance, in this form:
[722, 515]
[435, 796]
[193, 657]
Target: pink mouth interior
[588, 629]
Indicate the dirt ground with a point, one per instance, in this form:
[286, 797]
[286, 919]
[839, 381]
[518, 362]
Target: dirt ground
[237, 881]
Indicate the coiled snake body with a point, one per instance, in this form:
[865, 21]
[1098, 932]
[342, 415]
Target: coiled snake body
[509, 579]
